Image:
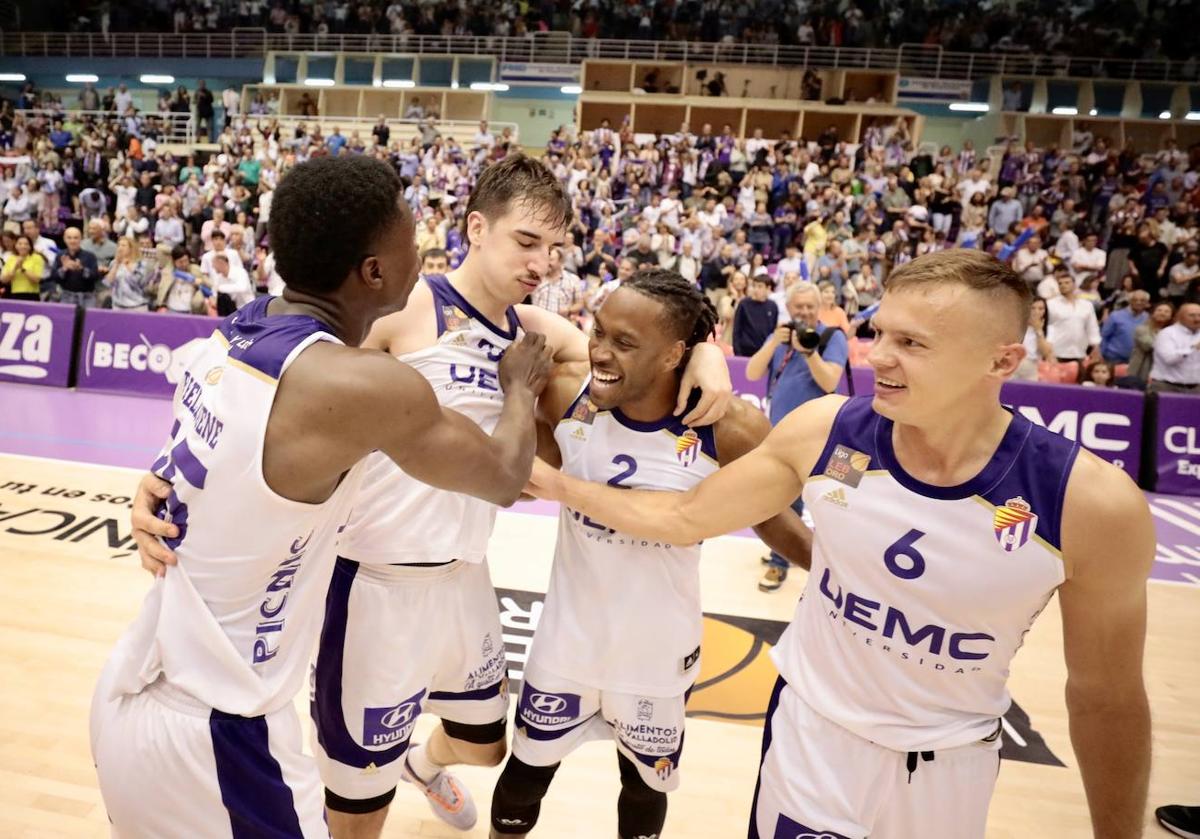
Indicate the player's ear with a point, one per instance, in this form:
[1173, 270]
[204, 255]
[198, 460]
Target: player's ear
[674, 356]
[1007, 359]
[371, 272]
[477, 227]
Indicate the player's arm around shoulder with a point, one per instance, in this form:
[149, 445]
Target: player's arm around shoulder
[764, 482]
[378, 402]
[1108, 546]
[738, 433]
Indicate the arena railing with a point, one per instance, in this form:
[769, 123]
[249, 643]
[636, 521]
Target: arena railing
[176, 127]
[562, 48]
[180, 129]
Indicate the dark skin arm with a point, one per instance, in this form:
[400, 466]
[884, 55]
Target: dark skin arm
[321, 425]
[742, 430]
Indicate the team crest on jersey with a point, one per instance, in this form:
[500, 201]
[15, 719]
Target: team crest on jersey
[687, 447]
[454, 318]
[847, 465]
[214, 375]
[584, 412]
[1014, 523]
[663, 767]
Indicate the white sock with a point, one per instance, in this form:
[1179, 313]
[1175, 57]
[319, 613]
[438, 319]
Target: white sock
[421, 765]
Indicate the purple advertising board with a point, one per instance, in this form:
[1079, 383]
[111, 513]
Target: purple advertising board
[1106, 421]
[36, 342]
[753, 392]
[138, 352]
[1178, 434]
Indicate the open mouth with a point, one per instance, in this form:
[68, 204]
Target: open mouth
[888, 384]
[605, 379]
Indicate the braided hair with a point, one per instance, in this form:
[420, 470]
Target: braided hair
[689, 312]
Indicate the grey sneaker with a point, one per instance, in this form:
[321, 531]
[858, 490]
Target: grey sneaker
[448, 798]
[772, 579]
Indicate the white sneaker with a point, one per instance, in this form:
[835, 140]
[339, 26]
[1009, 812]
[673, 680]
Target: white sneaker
[448, 798]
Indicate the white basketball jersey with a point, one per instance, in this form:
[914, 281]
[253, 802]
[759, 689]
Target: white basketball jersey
[234, 623]
[398, 519]
[920, 596]
[623, 613]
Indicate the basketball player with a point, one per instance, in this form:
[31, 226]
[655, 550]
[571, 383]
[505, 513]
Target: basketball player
[412, 566]
[193, 729]
[617, 647]
[944, 523]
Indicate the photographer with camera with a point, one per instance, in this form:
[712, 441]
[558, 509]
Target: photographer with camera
[803, 360]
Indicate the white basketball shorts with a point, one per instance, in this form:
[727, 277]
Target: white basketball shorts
[820, 781]
[169, 766]
[399, 641]
[556, 715]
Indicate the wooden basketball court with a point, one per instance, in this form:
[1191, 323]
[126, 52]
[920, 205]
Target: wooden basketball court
[69, 584]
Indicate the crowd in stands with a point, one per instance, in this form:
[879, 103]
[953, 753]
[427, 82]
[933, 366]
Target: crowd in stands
[96, 213]
[1112, 28]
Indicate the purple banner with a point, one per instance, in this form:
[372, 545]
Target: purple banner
[1106, 421]
[138, 352]
[36, 342]
[1178, 433]
[753, 392]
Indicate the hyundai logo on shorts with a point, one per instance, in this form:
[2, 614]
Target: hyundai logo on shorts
[547, 703]
[399, 715]
[784, 830]
[393, 724]
[542, 709]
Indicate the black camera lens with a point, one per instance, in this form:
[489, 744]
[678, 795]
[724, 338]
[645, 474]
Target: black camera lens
[808, 338]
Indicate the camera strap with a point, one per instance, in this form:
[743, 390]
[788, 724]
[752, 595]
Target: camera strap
[826, 337]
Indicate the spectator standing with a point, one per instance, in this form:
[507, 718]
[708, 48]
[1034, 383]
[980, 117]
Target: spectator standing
[99, 246]
[796, 374]
[22, 272]
[1183, 277]
[1037, 348]
[128, 277]
[204, 111]
[168, 229]
[182, 287]
[231, 101]
[1089, 259]
[560, 292]
[75, 271]
[755, 318]
[231, 283]
[1148, 261]
[1176, 366]
[1073, 329]
[1117, 331]
[1141, 361]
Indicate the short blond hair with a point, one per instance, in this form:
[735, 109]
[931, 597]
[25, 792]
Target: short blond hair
[974, 269]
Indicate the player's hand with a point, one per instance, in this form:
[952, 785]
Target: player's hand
[708, 371]
[545, 482]
[152, 491]
[526, 364]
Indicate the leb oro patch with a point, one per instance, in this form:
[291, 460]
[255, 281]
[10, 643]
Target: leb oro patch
[847, 465]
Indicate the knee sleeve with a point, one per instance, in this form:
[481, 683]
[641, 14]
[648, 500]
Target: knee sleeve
[358, 806]
[480, 735]
[641, 811]
[517, 799]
